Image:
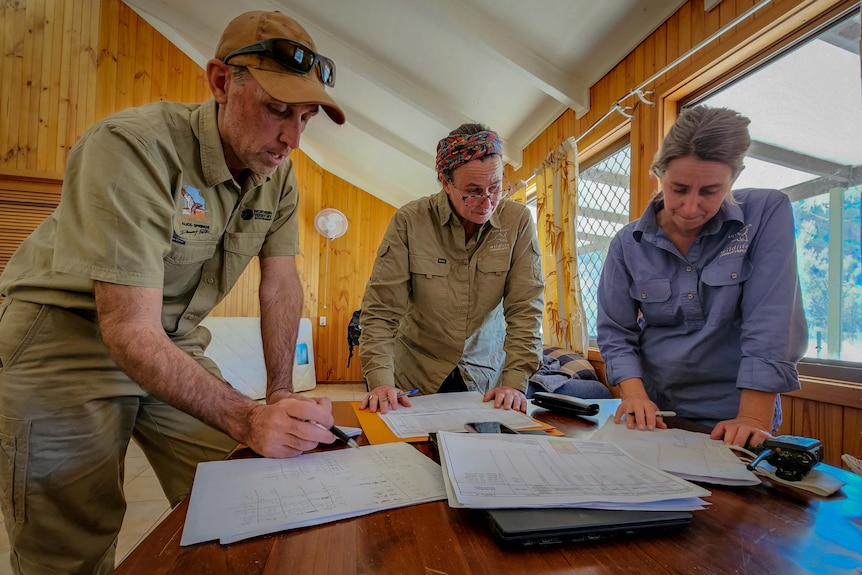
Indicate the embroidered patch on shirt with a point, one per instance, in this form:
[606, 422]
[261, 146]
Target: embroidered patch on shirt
[194, 218]
[738, 242]
[194, 203]
[248, 214]
[499, 241]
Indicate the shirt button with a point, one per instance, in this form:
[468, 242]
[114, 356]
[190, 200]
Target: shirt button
[688, 268]
[643, 296]
[733, 276]
[691, 296]
[210, 281]
[189, 316]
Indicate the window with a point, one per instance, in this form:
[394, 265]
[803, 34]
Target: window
[604, 196]
[805, 108]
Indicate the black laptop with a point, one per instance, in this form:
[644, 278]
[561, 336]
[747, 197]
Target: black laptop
[556, 526]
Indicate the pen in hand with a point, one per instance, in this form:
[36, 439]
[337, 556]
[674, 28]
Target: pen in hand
[410, 393]
[337, 432]
[660, 413]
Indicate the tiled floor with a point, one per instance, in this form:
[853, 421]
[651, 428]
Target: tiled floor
[146, 502]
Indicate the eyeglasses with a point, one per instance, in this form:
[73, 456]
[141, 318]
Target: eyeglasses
[291, 55]
[494, 194]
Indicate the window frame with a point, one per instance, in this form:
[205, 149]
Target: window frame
[817, 368]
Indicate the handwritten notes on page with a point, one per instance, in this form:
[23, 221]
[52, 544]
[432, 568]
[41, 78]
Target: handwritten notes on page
[450, 411]
[687, 454]
[242, 498]
[506, 471]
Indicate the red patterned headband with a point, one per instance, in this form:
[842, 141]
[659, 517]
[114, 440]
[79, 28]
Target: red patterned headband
[454, 151]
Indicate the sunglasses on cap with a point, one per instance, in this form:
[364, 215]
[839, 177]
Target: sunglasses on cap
[291, 55]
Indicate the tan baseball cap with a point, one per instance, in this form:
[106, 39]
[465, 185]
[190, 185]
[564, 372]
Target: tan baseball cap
[279, 82]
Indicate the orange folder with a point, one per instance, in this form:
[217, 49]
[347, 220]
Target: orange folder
[376, 430]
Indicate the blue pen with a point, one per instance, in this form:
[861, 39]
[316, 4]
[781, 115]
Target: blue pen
[413, 391]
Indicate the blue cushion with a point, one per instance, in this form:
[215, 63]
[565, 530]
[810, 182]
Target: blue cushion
[571, 363]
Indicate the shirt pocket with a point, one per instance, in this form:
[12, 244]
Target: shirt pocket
[239, 248]
[183, 266]
[491, 279]
[429, 279]
[722, 282]
[654, 297]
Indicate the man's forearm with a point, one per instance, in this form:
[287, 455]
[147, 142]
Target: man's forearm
[173, 376]
[280, 310]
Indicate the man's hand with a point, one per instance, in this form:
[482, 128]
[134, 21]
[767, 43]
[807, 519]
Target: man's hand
[290, 426]
[507, 397]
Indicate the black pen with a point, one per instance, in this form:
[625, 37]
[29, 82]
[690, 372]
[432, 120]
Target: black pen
[337, 432]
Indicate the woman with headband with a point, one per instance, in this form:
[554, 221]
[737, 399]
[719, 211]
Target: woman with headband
[454, 302]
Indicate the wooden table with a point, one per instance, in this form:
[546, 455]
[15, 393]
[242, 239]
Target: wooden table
[766, 529]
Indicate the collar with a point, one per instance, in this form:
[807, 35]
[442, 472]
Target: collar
[440, 203]
[204, 123]
[647, 224]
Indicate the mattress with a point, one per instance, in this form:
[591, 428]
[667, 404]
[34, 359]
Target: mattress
[237, 350]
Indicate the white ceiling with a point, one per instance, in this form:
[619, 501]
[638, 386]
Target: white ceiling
[409, 71]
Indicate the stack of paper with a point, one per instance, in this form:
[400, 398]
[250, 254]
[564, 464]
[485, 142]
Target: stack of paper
[686, 454]
[508, 471]
[449, 412]
[238, 499]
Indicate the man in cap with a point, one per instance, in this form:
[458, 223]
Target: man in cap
[162, 208]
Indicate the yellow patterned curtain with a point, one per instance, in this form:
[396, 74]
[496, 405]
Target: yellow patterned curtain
[564, 323]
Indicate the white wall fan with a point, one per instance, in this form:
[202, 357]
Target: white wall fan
[331, 224]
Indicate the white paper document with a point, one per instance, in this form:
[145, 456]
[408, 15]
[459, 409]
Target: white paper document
[508, 471]
[687, 454]
[449, 412]
[241, 498]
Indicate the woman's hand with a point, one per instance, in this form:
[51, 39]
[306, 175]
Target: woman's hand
[507, 398]
[741, 431]
[638, 408]
[381, 398]
[752, 420]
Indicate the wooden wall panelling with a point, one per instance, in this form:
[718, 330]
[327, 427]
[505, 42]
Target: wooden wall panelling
[24, 202]
[823, 421]
[852, 438]
[8, 60]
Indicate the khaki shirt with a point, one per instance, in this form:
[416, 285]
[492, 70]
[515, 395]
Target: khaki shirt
[434, 302]
[148, 201]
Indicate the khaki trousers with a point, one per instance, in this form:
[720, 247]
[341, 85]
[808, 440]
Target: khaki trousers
[67, 414]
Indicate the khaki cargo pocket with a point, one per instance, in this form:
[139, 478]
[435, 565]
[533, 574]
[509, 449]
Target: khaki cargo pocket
[14, 444]
[20, 322]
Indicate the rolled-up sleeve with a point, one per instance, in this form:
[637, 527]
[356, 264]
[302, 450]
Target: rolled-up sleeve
[774, 331]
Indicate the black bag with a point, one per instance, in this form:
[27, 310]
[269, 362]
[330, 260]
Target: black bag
[354, 330]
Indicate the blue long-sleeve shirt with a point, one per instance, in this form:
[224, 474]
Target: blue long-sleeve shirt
[698, 327]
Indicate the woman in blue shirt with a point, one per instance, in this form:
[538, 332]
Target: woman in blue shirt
[700, 309]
